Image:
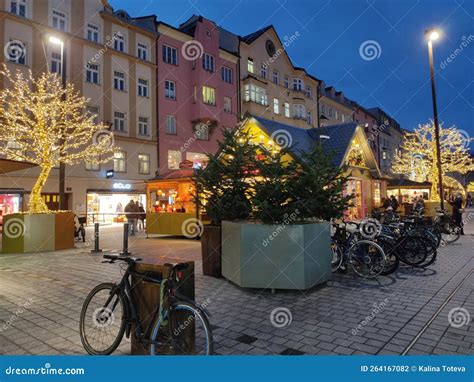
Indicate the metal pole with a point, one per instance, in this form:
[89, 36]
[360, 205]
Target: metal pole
[96, 239]
[62, 166]
[125, 240]
[436, 125]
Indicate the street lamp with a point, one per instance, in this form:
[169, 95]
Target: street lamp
[432, 35]
[62, 167]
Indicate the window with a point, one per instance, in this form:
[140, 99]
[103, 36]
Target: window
[309, 118]
[297, 84]
[256, 94]
[202, 132]
[208, 95]
[309, 92]
[59, 20]
[143, 163]
[18, 7]
[56, 62]
[208, 62]
[119, 121]
[170, 89]
[16, 52]
[120, 162]
[226, 74]
[323, 109]
[199, 160]
[170, 55]
[93, 32]
[276, 80]
[143, 126]
[119, 80]
[174, 159]
[299, 111]
[263, 71]
[142, 87]
[276, 106]
[287, 82]
[170, 125]
[227, 105]
[92, 166]
[330, 112]
[119, 42]
[142, 51]
[92, 73]
[287, 110]
[343, 118]
[94, 110]
[250, 65]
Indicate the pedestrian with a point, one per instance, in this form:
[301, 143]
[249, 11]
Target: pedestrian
[469, 200]
[142, 216]
[394, 202]
[131, 210]
[458, 210]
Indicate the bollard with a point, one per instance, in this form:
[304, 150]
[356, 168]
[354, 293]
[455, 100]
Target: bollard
[125, 240]
[96, 239]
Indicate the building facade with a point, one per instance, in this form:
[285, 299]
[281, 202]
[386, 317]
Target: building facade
[197, 91]
[271, 86]
[334, 107]
[111, 60]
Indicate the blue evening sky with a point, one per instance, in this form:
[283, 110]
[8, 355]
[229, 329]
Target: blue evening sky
[331, 33]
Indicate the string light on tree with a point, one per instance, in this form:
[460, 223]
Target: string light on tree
[43, 123]
[418, 155]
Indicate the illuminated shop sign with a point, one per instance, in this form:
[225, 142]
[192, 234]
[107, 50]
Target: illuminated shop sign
[121, 186]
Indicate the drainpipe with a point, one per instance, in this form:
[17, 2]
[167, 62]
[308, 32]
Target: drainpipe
[239, 105]
[157, 95]
[318, 88]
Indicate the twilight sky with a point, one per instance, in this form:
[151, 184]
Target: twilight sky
[331, 34]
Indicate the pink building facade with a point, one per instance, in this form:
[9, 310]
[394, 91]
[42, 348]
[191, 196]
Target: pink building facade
[197, 91]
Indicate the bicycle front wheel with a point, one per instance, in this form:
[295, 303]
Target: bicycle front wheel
[102, 322]
[187, 332]
[367, 258]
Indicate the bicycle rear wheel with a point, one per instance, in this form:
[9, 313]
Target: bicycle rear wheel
[337, 257]
[187, 332]
[367, 258]
[102, 322]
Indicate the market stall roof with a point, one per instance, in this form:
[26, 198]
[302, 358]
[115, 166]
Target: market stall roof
[175, 174]
[8, 165]
[406, 183]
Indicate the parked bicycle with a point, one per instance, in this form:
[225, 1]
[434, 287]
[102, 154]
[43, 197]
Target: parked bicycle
[110, 311]
[365, 257]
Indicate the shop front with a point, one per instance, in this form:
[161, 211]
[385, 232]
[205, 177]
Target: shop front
[11, 201]
[107, 206]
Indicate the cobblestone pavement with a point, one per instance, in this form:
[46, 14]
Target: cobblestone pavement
[412, 312]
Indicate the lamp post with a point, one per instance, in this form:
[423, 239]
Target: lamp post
[62, 167]
[432, 35]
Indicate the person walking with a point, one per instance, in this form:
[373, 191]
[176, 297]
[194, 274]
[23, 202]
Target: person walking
[394, 202]
[141, 216]
[457, 204]
[132, 213]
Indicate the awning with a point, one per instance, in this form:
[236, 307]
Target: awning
[407, 183]
[8, 165]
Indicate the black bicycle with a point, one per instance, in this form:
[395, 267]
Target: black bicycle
[178, 326]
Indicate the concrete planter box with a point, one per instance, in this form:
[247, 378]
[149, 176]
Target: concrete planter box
[24, 233]
[275, 256]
